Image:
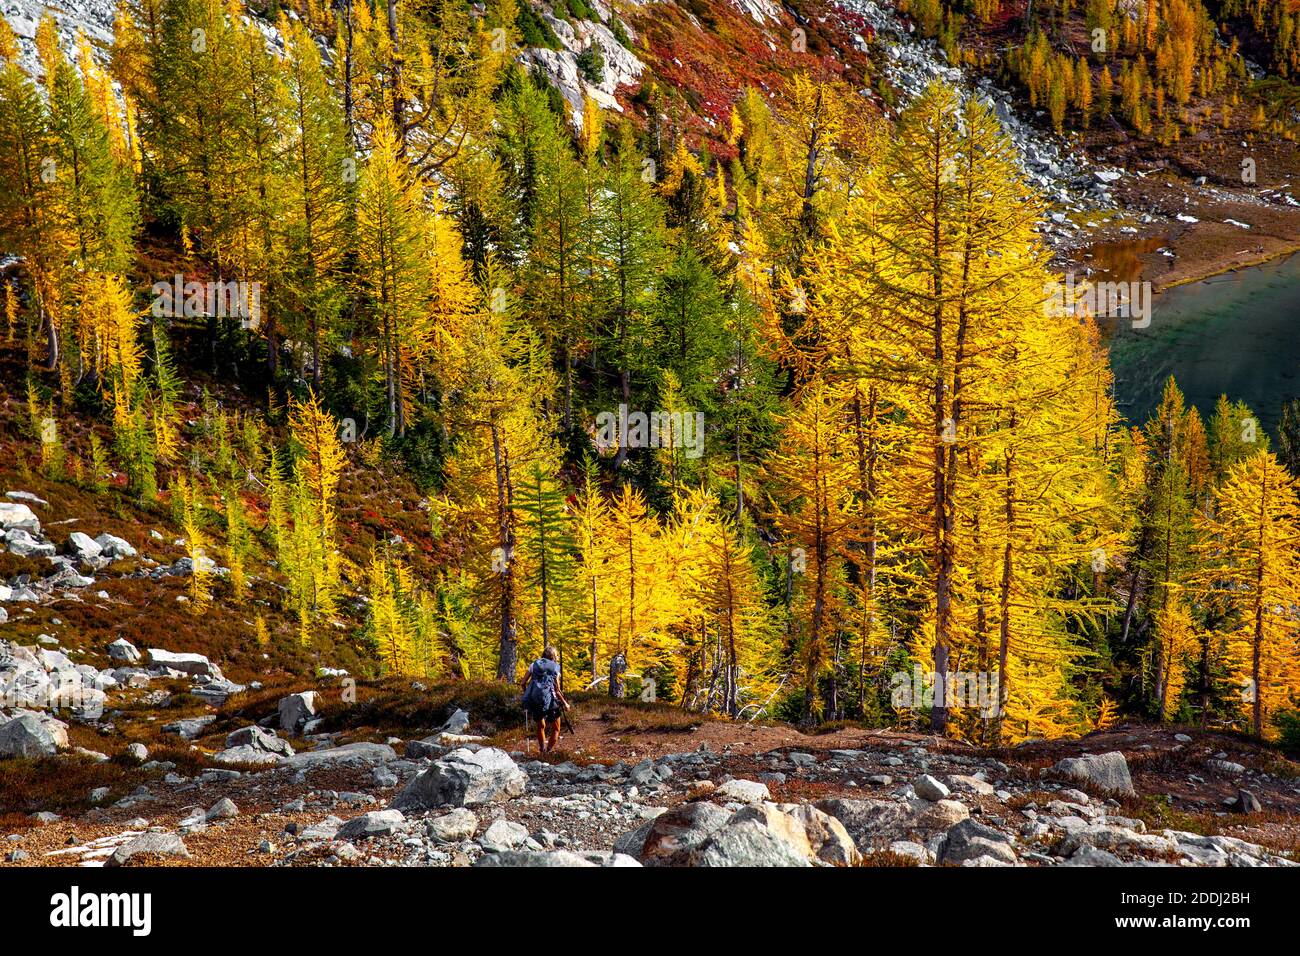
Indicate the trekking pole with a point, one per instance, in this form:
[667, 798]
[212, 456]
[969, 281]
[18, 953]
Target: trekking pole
[528, 733]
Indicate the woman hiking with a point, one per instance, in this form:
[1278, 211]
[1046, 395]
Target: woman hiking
[543, 699]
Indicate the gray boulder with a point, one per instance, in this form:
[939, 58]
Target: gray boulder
[189, 727]
[22, 544]
[1106, 772]
[27, 736]
[1109, 836]
[454, 827]
[928, 788]
[296, 709]
[14, 515]
[531, 859]
[362, 754]
[826, 835]
[457, 723]
[259, 739]
[195, 665]
[755, 836]
[82, 547]
[326, 829]
[1246, 802]
[156, 844]
[970, 840]
[123, 650]
[503, 835]
[247, 754]
[114, 547]
[1091, 856]
[215, 692]
[875, 824]
[372, 824]
[428, 747]
[671, 837]
[223, 809]
[744, 791]
[464, 778]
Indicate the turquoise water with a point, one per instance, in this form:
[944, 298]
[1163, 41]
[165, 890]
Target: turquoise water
[1237, 334]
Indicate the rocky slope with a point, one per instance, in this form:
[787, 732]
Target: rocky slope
[870, 798]
[111, 752]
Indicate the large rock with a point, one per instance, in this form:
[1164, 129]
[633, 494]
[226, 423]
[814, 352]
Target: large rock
[223, 809]
[195, 665]
[1091, 856]
[755, 836]
[216, 692]
[826, 835]
[123, 650]
[114, 547]
[14, 515]
[428, 747]
[928, 788]
[72, 691]
[256, 737]
[372, 824]
[27, 736]
[24, 545]
[1106, 772]
[875, 824]
[296, 709]
[189, 727]
[744, 791]
[670, 838]
[1109, 836]
[464, 778]
[25, 684]
[503, 834]
[153, 844]
[247, 754]
[529, 858]
[53, 660]
[970, 840]
[363, 754]
[82, 546]
[454, 827]
[457, 723]
[526, 858]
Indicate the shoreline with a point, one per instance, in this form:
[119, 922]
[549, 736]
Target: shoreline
[1171, 232]
[1227, 266]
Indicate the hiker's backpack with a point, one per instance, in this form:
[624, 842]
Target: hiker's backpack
[540, 692]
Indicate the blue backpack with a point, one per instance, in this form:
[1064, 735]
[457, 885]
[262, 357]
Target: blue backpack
[540, 692]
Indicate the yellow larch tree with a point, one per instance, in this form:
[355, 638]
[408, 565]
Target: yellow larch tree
[811, 477]
[1251, 548]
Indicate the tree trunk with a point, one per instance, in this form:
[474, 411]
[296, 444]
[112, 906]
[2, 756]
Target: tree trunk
[508, 648]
